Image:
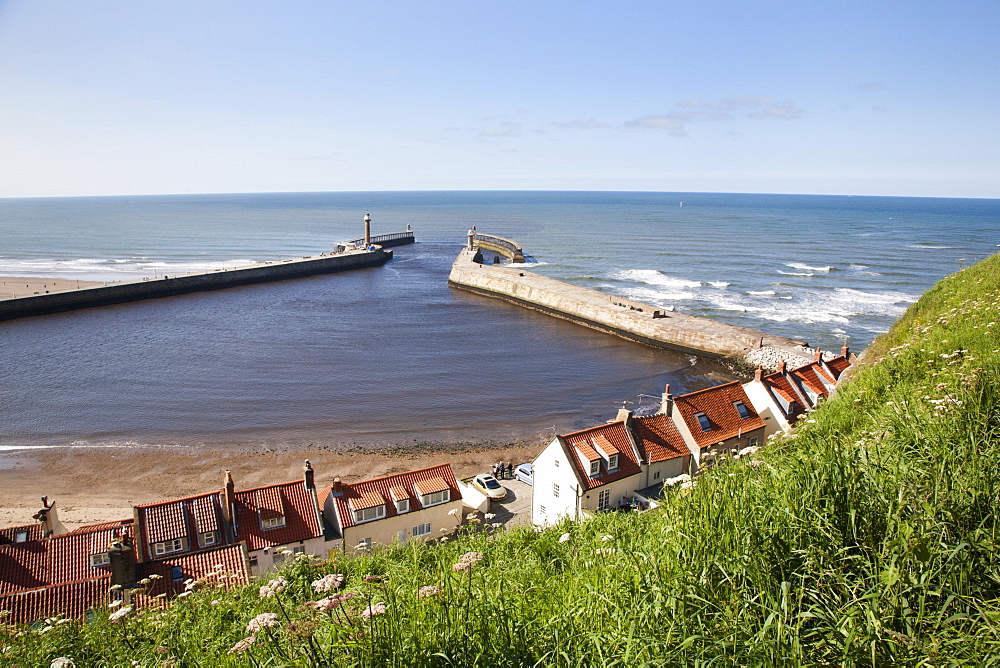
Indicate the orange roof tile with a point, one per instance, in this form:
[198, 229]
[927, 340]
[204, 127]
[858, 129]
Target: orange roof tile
[717, 404]
[69, 599]
[579, 449]
[433, 476]
[658, 438]
[838, 365]
[27, 532]
[430, 485]
[296, 505]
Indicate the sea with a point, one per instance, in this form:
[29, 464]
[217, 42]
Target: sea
[393, 356]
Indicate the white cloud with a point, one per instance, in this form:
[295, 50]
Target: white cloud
[501, 129]
[581, 124]
[726, 109]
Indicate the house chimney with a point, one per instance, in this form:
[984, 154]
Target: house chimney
[122, 557]
[845, 350]
[783, 367]
[337, 489]
[758, 374]
[228, 497]
[667, 402]
[624, 415]
[818, 355]
[49, 519]
[309, 476]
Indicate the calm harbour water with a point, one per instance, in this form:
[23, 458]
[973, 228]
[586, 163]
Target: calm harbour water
[392, 354]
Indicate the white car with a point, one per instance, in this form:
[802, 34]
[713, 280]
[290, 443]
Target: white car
[489, 486]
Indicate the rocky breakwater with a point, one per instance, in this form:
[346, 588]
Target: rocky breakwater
[629, 319]
[115, 293]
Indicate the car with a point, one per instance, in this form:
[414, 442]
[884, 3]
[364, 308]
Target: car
[489, 486]
[523, 472]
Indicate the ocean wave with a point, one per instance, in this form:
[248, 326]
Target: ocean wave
[109, 268]
[930, 247]
[654, 277]
[761, 293]
[806, 267]
[795, 273]
[719, 284]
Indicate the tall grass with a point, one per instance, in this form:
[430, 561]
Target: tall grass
[868, 537]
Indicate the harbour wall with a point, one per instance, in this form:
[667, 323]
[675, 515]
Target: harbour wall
[628, 319]
[117, 293]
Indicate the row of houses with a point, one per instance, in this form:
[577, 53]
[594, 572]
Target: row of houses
[626, 461]
[224, 535]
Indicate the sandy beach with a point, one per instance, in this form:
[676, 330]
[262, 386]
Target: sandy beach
[16, 286]
[94, 484]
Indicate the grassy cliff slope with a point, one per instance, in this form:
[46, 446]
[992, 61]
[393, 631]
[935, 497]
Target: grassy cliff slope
[870, 536]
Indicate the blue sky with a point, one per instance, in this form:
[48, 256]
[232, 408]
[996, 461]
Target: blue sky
[866, 98]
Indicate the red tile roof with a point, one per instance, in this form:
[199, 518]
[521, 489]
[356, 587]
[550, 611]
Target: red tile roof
[658, 438]
[68, 599]
[438, 478]
[812, 376]
[291, 499]
[100, 526]
[782, 386]
[579, 446]
[838, 365]
[179, 518]
[717, 404]
[30, 532]
[228, 560]
[54, 560]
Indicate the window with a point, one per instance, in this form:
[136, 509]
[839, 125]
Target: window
[208, 538]
[369, 514]
[403, 506]
[742, 409]
[278, 558]
[299, 549]
[365, 544]
[272, 522]
[557, 463]
[435, 498]
[100, 559]
[703, 421]
[253, 562]
[752, 441]
[421, 529]
[177, 573]
[613, 462]
[595, 468]
[656, 476]
[604, 499]
[555, 490]
[21, 536]
[168, 546]
[541, 510]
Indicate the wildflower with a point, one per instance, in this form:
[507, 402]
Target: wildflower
[301, 628]
[62, 662]
[373, 611]
[428, 591]
[682, 478]
[121, 613]
[114, 604]
[455, 512]
[242, 645]
[606, 550]
[183, 594]
[155, 576]
[461, 566]
[605, 539]
[471, 557]
[564, 538]
[374, 578]
[274, 587]
[489, 516]
[262, 621]
[755, 462]
[113, 587]
[328, 582]
[327, 604]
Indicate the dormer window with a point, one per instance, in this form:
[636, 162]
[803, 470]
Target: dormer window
[369, 514]
[613, 462]
[100, 559]
[168, 546]
[742, 409]
[21, 536]
[207, 538]
[703, 421]
[403, 506]
[272, 522]
[595, 468]
[435, 498]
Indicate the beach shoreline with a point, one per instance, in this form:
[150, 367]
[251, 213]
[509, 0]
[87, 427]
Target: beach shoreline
[95, 484]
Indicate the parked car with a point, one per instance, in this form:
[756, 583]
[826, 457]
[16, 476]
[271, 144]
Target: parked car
[489, 486]
[523, 473]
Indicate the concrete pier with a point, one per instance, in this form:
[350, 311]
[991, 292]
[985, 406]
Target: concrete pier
[116, 293]
[629, 319]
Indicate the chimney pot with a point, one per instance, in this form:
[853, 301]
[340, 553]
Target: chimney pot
[783, 367]
[758, 374]
[337, 489]
[845, 350]
[309, 476]
[818, 355]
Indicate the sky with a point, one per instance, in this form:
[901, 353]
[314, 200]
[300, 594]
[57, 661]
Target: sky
[863, 98]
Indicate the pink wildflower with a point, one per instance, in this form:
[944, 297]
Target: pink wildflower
[471, 557]
[242, 645]
[461, 566]
[326, 604]
[262, 621]
[328, 582]
[373, 578]
[373, 611]
[274, 587]
[429, 590]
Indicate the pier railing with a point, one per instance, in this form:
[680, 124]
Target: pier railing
[393, 239]
[503, 246]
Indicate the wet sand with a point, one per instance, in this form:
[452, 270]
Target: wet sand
[14, 286]
[95, 484]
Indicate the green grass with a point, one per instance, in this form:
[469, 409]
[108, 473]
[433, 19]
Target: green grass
[869, 537]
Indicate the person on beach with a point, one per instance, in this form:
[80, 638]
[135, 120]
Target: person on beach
[510, 470]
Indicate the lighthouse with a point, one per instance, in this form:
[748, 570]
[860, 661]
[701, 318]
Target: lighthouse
[368, 230]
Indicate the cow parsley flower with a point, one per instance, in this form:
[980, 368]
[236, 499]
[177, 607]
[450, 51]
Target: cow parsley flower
[373, 611]
[428, 591]
[274, 587]
[328, 582]
[120, 613]
[62, 662]
[262, 621]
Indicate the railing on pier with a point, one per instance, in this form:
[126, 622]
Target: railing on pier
[504, 246]
[387, 240]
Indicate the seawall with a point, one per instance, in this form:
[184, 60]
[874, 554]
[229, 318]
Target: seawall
[117, 293]
[629, 319]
